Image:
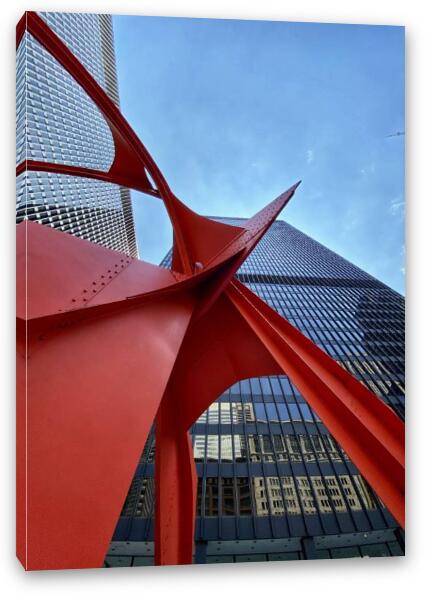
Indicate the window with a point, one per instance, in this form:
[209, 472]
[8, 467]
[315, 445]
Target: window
[306, 448]
[272, 412]
[243, 496]
[245, 386]
[228, 501]
[294, 412]
[242, 413]
[254, 448]
[213, 413]
[225, 413]
[280, 449]
[283, 413]
[365, 492]
[212, 448]
[306, 413]
[212, 497]
[260, 497]
[276, 386]
[267, 450]
[290, 495]
[335, 493]
[331, 447]
[275, 496]
[266, 386]
[286, 387]
[235, 389]
[318, 446]
[199, 495]
[226, 448]
[293, 448]
[260, 413]
[306, 495]
[240, 448]
[199, 448]
[255, 386]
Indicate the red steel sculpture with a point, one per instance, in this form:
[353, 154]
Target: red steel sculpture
[107, 344]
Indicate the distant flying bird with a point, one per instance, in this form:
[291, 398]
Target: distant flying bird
[396, 134]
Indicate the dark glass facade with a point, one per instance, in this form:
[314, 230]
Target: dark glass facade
[273, 483]
[56, 121]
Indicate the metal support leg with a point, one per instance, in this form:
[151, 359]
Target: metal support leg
[175, 487]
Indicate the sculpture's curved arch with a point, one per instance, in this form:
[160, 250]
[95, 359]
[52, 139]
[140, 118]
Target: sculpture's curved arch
[212, 358]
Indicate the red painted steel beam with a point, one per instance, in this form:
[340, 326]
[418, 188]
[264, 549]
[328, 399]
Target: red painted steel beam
[234, 342]
[79, 277]
[367, 428]
[175, 486]
[238, 250]
[87, 393]
[139, 281]
[218, 350]
[105, 176]
[87, 398]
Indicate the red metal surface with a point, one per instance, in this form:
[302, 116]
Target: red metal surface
[368, 430]
[107, 343]
[175, 486]
[89, 392]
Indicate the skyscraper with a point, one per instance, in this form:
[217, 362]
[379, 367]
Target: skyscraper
[57, 121]
[273, 484]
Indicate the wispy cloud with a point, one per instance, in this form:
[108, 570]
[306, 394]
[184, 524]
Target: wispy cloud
[396, 207]
[351, 223]
[368, 169]
[309, 156]
[259, 166]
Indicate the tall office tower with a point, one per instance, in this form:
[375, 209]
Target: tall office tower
[273, 483]
[57, 121]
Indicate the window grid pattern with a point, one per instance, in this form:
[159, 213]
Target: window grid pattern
[58, 122]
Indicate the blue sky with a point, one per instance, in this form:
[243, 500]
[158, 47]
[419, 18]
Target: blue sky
[234, 112]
